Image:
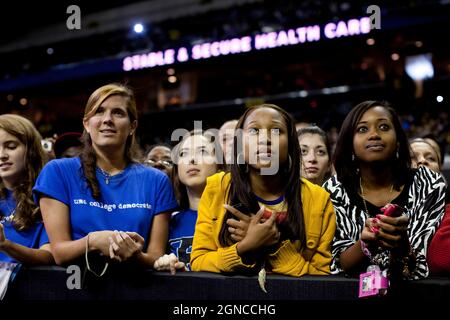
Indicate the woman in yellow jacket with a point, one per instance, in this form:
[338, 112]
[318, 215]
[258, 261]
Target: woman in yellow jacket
[262, 215]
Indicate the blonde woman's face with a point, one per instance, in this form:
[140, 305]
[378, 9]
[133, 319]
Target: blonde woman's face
[110, 125]
[12, 159]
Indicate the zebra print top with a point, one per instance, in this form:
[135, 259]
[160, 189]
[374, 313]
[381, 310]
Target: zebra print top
[425, 209]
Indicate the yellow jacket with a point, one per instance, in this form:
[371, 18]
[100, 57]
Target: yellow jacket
[320, 223]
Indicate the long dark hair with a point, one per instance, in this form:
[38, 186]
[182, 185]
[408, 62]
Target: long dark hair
[26, 211]
[240, 190]
[347, 168]
[88, 155]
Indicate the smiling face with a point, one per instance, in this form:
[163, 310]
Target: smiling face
[265, 138]
[315, 158]
[12, 159]
[375, 138]
[110, 126]
[196, 161]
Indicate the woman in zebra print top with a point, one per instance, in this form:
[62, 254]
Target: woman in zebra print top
[373, 168]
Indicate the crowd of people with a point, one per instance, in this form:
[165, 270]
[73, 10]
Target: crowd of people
[260, 196]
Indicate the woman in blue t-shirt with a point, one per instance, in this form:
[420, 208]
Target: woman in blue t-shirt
[22, 235]
[196, 157]
[105, 200]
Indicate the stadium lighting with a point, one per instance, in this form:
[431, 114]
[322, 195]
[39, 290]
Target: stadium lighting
[419, 67]
[138, 28]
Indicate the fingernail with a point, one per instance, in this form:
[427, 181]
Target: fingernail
[374, 230]
[378, 216]
[375, 220]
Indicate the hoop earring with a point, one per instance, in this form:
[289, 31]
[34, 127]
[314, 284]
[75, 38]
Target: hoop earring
[354, 163]
[240, 161]
[240, 158]
[289, 168]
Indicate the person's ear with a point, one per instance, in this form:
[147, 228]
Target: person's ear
[133, 127]
[85, 124]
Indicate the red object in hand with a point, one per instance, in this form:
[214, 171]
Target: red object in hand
[392, 210]
[280, 216]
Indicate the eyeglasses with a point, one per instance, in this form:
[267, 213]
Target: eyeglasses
[165, 163]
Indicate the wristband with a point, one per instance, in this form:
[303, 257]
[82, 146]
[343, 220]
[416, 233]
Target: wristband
[365, 249]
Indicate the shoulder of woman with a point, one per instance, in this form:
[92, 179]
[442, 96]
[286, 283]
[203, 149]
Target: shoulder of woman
[332, 184]
[313, 190]
[141, 170]
[218, 179]
[64, 164]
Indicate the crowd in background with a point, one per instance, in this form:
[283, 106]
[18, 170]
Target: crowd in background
[264, 194]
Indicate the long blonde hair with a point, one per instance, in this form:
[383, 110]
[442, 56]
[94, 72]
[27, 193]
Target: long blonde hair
[88, 155]
[26, 212]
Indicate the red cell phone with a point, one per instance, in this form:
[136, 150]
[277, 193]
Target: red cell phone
[280, 218]
[392, 210]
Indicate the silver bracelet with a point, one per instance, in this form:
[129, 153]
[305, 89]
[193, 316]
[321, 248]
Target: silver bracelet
[87, 261]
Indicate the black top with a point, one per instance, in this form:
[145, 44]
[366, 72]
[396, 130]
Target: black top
[401, 199]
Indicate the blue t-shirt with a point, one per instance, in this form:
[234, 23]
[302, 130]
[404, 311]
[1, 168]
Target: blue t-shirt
[181, 233]
[129, 200]
[33, 237]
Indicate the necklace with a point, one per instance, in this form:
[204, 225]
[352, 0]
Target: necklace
[10, 217]
[364, 198]
[107, 176]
